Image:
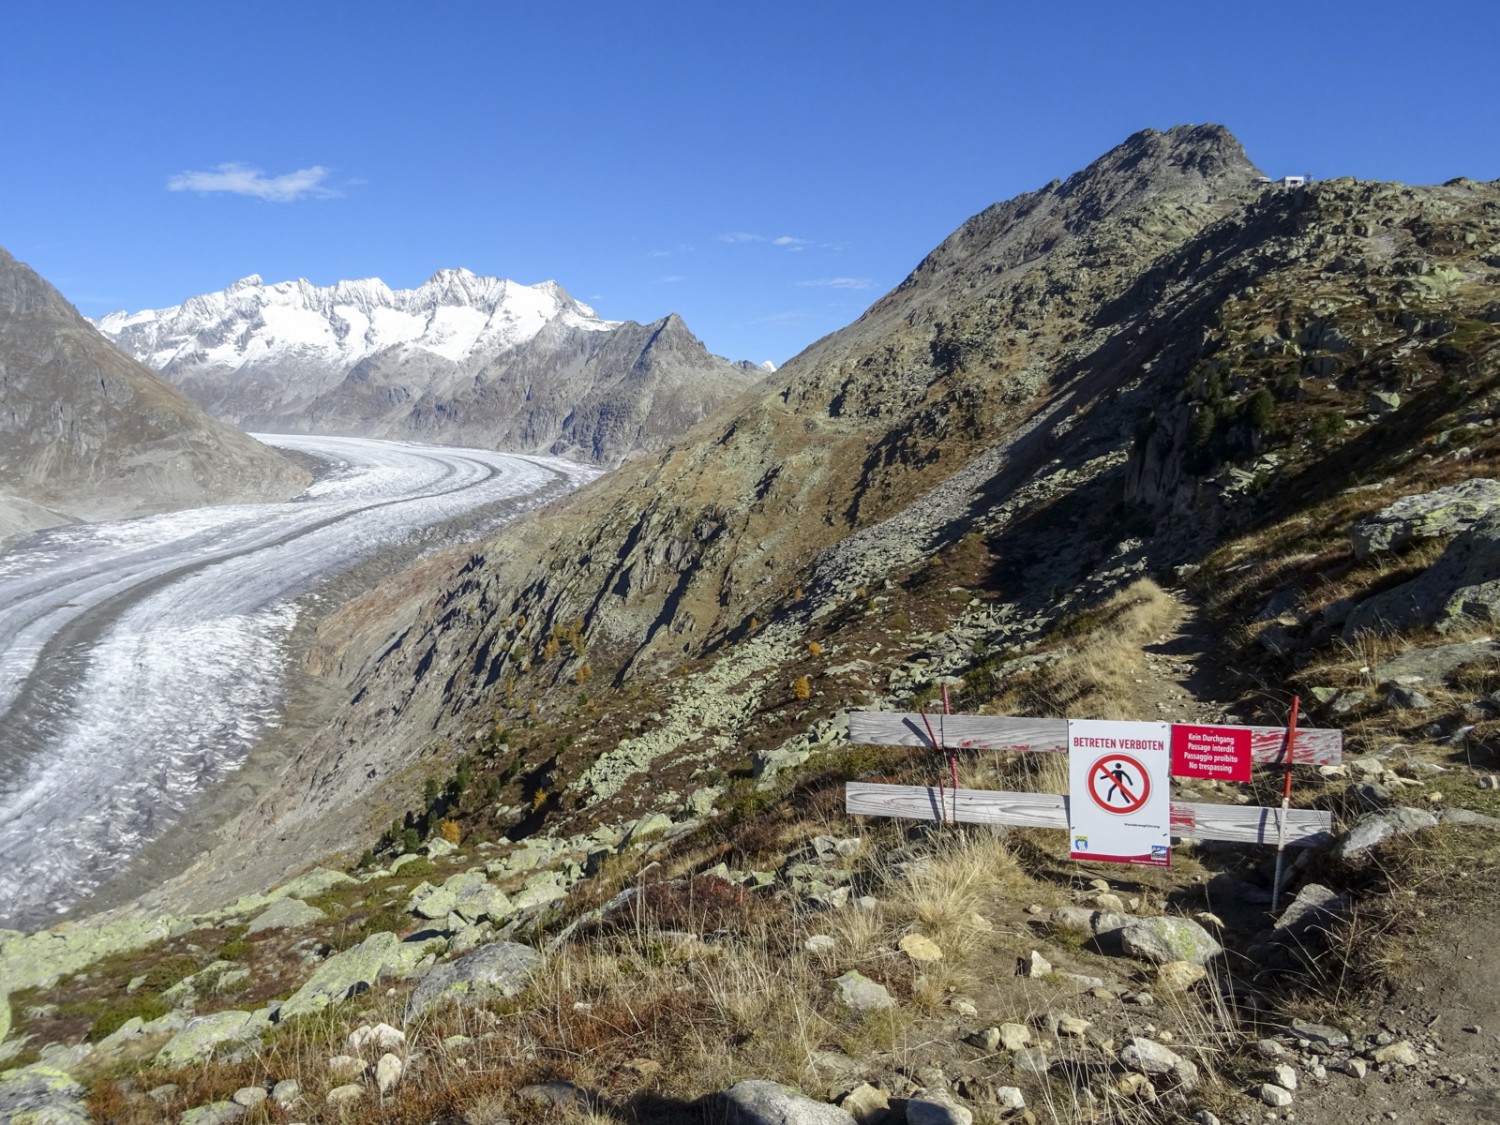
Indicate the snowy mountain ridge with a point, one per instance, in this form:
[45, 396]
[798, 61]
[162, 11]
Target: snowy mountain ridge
[460, 360]
[454, 314]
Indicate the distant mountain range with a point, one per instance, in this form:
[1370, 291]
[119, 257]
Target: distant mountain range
[88, 433]
[462, 359]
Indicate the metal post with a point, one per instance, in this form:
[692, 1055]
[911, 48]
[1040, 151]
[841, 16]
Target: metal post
[1286, 802]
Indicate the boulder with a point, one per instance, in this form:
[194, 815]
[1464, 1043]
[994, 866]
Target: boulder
[1148, 1057]
[248, 1096]
[1374, 827]
[285, 914]
[758, 1102]
[501, 968]
[42, 1094]
[861, 994]
[1462, 585]
[467, 894]
[286, 1093]
[382, 1037]
[1435, 663]
[206, 1034]
[37, 960]
[352, 971]
[214, 1113]
[1165, 939]
[1427, 515]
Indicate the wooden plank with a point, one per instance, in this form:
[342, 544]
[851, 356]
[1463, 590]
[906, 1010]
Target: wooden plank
[1249, 824]
[999, 732]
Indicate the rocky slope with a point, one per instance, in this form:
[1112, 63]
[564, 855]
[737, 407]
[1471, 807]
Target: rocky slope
[462, 359]
[88, 433]
[630, 713]
[1108, 374]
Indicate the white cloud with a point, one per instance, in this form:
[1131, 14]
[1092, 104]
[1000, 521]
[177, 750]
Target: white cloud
[789, 242]
[837, 283]
[681, 248]
[238, 179]
[740, 236]
[669, 279]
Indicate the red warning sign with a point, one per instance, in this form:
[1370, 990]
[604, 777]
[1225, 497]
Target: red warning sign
[1217, 753]
[1119, 784]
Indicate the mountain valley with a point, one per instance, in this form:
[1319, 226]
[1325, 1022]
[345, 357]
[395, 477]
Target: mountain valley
[1159, 441]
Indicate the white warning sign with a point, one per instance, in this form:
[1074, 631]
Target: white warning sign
[1119, 798]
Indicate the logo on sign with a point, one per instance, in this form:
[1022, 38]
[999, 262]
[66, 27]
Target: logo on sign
[1119, 784]
[1080, 843]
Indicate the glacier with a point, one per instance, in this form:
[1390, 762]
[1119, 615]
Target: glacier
[141, 660]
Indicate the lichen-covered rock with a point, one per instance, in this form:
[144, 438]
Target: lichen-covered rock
[1427, 515]
[1165, 939]
[285, 914]
[501, 968]
[214, 1113]
[758, 1102]
[352, 971]
[38, 960]
[204, 1035]
[467, 894]
[41, 1095]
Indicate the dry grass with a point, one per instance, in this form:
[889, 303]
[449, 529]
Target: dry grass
[1102, 672]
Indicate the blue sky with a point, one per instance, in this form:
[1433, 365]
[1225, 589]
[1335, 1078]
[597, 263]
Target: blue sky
[767, 170]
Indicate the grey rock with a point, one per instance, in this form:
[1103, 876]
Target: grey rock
[1372, 828]
[206, 1034]
[1160, 940]
[557, 1094]
[287, 914]
[1272, 1095]
[1427, 515]
[502, 968]
[286, 1093]
[1468, 818]
[1321, 1034]
[1462, 585]
[214, 1113]
[861, 994]
[758, 1102]
[248, 1096]
[1434, 663]
[43, 1094]
[1037, 966]
[353, 971]
[1149, 1057]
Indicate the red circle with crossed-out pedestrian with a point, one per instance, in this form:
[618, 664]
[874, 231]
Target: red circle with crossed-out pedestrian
[1119, 784]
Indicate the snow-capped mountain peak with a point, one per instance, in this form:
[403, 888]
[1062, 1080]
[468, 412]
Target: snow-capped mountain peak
[454, 314]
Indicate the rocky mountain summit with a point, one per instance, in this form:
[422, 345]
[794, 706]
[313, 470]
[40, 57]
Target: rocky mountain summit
[462, 359]
[1141, 444]
[88, 433]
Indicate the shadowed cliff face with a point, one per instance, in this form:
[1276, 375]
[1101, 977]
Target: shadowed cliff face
[87, 432]
[1119, 365]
